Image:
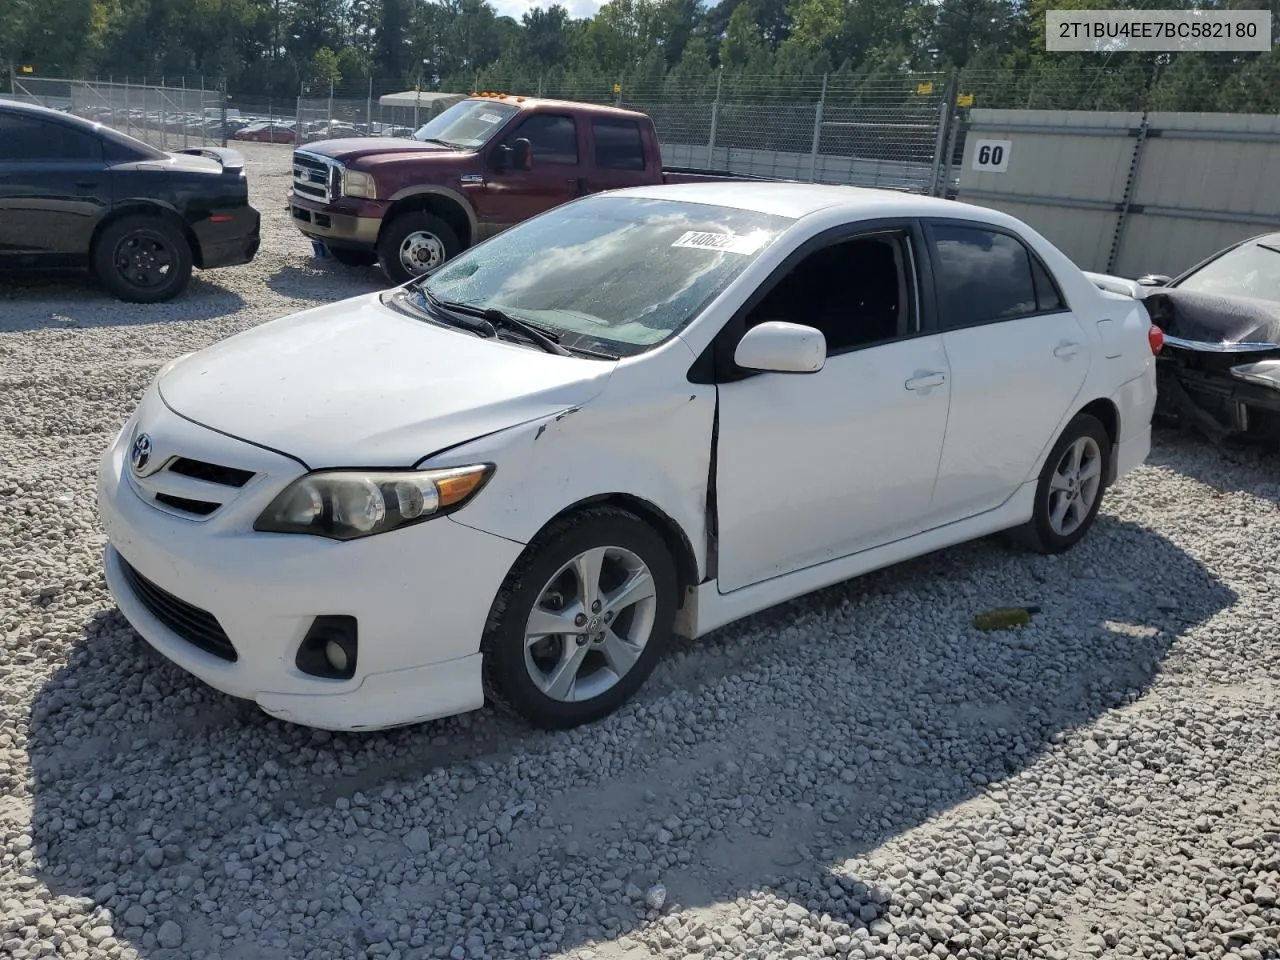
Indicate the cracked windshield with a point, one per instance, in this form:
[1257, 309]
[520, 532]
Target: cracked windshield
[621, 274]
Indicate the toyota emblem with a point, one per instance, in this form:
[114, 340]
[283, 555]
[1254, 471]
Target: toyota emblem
[140, 456]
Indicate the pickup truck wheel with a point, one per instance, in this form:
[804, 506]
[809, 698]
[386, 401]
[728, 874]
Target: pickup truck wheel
[581, 620]
[414, 243]
[142, 259]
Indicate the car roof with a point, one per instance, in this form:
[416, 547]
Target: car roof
[797, 200]
[36, 110]
[532, 103]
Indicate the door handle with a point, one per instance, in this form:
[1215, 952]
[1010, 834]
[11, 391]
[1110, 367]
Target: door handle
[924, 379]
[86, 184]
[1066, 349]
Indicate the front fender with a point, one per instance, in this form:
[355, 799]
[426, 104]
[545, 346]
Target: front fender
[657, 450]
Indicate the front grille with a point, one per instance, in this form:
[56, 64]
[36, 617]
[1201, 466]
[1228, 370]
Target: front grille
[315, 177]
[198, 627]
[211, 472]
[201, 508]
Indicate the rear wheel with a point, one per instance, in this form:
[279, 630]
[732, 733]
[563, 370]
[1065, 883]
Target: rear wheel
[142, 259]
[1070, 488]
[414, 243]
[581, 620]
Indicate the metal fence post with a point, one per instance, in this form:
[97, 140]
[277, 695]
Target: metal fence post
[297, 121]
[817, 132]
[715, 119]
[940, 141]
[329, 125]
[368, 110]
[222, 104]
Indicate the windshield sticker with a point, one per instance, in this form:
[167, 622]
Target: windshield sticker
[722, 242]
[490, 117]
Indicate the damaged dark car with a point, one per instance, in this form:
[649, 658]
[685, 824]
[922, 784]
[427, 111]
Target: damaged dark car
[1219, 369]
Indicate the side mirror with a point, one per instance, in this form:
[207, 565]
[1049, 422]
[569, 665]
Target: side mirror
[501, 158]
[778, 347]
[522, 154]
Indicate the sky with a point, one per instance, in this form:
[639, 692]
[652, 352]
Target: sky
[518, 8]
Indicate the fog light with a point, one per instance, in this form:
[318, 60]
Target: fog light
[330, 648]
[336, 656]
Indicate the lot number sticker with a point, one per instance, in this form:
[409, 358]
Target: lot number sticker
[992, 156]
[722, 242]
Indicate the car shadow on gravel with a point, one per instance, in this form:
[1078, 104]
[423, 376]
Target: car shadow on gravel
[316, 281]
[189, 814]
[62, 302]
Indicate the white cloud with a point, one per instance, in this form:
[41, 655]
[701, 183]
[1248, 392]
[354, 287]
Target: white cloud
[518, 8]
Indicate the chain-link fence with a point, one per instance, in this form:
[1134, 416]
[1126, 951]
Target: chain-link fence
[168, 117]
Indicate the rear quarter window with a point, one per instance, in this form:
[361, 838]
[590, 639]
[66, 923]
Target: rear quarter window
[619, 145]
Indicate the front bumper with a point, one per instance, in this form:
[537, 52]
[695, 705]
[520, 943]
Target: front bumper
[420, 595]
[1199, 386]
[347, 222]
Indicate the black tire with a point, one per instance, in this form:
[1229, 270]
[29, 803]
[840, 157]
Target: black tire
[127, 252]
[353, 258]
[401, 229]
[1038, 534]
[507, 677]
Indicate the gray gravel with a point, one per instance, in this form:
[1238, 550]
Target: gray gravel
[859, 773]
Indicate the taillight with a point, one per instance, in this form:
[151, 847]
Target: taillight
[1155, 338]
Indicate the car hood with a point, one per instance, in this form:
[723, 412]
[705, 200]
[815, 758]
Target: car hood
[354, 148]
[359, 384]
[1213, 318]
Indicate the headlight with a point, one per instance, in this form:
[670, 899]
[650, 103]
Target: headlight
[347, 504]
[358, 184]
[1265, 373]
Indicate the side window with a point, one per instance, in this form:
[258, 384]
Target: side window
[554, 138]
[1048, 296]
[618, 144]
[857, 292]
[27, 139]
[982, 276]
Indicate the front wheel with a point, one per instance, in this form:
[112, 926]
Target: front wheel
[414, 243]
[581, 620]
[142, 259]
[1070, 488]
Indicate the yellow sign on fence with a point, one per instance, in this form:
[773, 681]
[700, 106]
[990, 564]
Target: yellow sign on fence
[617, 88]
[964, 100]
[28, 68]
[924, 89]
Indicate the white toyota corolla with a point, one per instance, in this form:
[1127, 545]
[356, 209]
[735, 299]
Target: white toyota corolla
[646, 412]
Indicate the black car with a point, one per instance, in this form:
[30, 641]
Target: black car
[1219, 368]
[76, 194]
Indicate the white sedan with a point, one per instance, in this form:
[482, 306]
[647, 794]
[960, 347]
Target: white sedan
[646, 412]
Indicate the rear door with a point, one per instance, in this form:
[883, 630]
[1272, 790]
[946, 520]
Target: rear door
[507, 197]
[618, 155]
[1018, 358]
[54, 188]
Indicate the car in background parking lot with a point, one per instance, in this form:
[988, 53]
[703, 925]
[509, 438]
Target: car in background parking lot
[644, 412]
[76, 194]
[1219, 369]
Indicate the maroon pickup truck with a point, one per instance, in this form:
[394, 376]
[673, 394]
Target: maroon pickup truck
[479, 167]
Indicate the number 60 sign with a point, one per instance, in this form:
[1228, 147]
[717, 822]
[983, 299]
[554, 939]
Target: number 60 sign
[991, 156]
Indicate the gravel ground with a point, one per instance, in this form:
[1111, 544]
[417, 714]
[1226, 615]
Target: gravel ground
[859, 773]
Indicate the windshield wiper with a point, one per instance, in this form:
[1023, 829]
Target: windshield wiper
[442, 310]
[547, 340]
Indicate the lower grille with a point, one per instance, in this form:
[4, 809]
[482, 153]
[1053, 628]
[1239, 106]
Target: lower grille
[198, 627]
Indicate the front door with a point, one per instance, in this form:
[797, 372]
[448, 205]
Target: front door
[54, 188]
[503, 198]
[814, 467]
[1018, 359]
